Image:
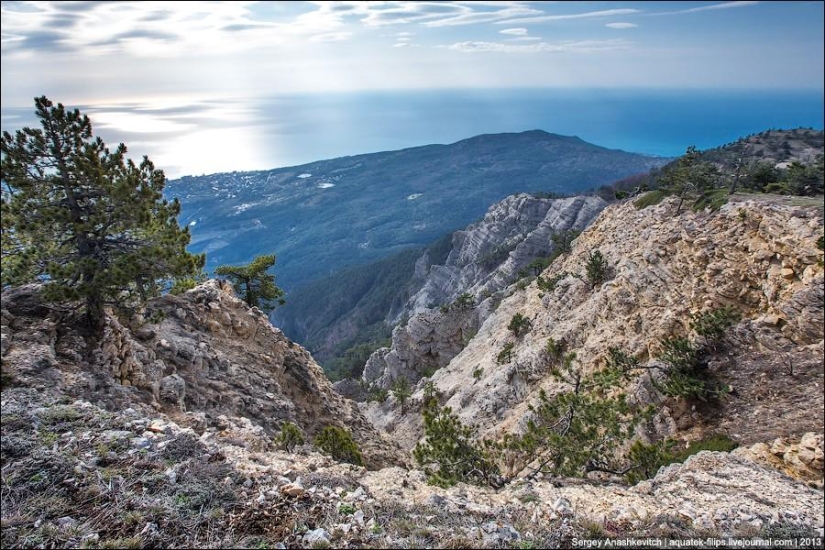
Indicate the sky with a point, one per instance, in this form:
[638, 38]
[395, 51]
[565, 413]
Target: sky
[187, 74]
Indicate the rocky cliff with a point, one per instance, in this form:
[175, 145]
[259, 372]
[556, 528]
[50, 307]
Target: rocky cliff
[485, 258]
[758, 256]
[488, 255]
[204, 358]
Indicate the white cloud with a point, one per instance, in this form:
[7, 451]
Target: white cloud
[722, 6]
[570, 46]
[516, 32]
[524, 39]
[543, 18]
[621, 25]
[331, 37]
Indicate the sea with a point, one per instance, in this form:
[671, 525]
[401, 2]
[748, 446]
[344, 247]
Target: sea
[259, 133]
[303, 128]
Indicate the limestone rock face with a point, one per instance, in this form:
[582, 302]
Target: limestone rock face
[209, 354]
[488, 255]
[429, 341]
[800, 458]
[663, 268]
[485, 258]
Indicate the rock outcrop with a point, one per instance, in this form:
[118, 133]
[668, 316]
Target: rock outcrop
[757, 256]
[800, 459]
[488, 255]
[203, 357]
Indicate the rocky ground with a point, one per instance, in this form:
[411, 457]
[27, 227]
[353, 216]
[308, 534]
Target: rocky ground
[75, 475]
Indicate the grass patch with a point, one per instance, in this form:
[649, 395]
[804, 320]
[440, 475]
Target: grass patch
[717, 442]
[713, 199]
[649, 199]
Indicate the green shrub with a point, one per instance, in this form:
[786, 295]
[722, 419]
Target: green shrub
[687, 374]
[290, 436]
[519, 325]
[716, 442]
[596, 268]
[650, 198]
[563, 242]
[449, 453]
[575, 431]
[712, 325]
[346, 509]
[377, 395]
[778, 188]
[506, 353]
[538, 265]
[647, 459]
[820, 242]
[464, 301]
[401, 391]
[555, 350]
[340, 445]
[431, 396]
[551, 282]
[477, 372]
[621, 361]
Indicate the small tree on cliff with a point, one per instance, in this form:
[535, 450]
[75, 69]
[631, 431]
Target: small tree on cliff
[88, 223]
[253, 284]
[689, 177]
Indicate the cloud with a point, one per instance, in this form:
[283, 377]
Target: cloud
[63, 21]
[570, 46]
[543, 18]
[140, 33]
[472, 16]
[524, 39]
[621, 25]
[39, 41]
[722, 6]
[515, 32]
[331, 37]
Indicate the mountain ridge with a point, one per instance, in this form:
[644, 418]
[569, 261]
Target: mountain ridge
[326, 215]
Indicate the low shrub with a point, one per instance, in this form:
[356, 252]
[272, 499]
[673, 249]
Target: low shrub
[340, 445]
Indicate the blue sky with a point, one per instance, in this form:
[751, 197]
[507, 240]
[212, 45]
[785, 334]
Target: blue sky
[131, 62]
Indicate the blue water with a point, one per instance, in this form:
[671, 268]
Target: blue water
[273, 132]
[656, 122]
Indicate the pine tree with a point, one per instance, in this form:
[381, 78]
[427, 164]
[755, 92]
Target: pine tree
[596, 268]
[88, 223]
[689, 177]
[253, 284]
